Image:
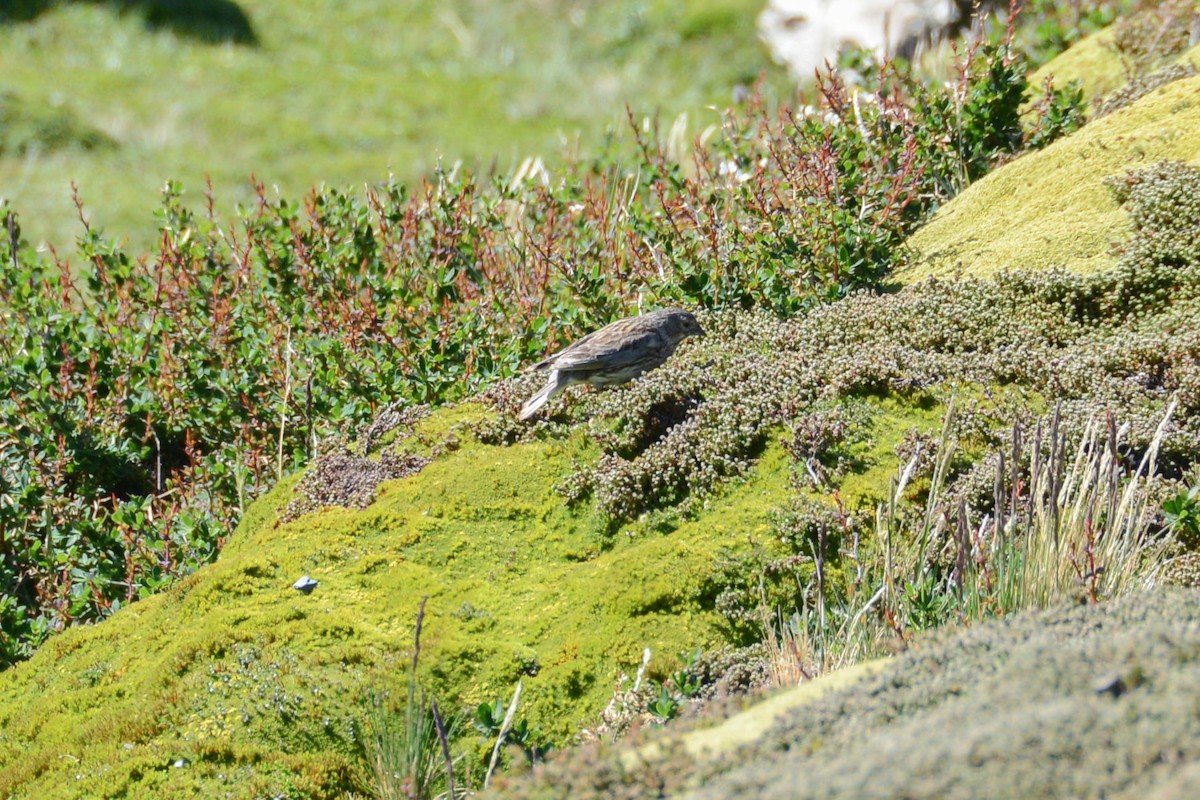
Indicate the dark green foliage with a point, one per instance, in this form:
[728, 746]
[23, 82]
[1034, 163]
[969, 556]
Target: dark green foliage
[926, 604]
[967, 131]
[1181, 514]
[489, 720]
[990, 113]
[1059, 112]
[689, 685]
[665, 706]
[685, 680]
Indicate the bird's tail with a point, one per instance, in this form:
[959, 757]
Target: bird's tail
[535, 403]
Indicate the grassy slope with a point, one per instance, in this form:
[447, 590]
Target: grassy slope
[246, 678]
[343, 93]
[1051, 208]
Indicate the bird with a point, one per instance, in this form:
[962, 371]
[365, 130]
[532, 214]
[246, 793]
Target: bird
[615, 354]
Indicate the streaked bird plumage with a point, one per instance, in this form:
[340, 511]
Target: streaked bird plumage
[615, 354]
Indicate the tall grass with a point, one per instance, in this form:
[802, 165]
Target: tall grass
[405, 761]
[1073, 519]
[1083, 527]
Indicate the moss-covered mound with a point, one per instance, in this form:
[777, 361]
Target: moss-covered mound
[554, 553]
[1050, 208]
[1084, 701]
[256, 686]
[234, 681]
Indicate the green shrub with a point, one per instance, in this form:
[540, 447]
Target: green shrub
[1059, 112]
[1182, 514]
[489, 722]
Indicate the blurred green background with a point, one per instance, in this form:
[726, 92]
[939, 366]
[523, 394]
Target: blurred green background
[122, 95]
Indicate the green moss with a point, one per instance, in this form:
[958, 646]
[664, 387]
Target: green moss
[894, 417]
[1095, 65]
[245, 678]
[1050, 208]
[1091, 61]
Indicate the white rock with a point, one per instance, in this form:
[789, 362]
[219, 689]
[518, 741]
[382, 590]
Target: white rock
[305, 584]
[804, 34]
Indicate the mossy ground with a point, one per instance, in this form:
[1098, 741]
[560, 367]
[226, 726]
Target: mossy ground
[257, 690]
[1076, 701]
[1050, 208]
[261, 689]
[1091, 62]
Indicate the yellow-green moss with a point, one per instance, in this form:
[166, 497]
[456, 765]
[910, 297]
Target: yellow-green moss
[1095, 65]
[1050, 208]
[753, 724]
[1091, 62]
[878, 455]
[260, 688]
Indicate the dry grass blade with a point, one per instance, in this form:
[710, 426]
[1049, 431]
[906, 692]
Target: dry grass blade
[504, 729]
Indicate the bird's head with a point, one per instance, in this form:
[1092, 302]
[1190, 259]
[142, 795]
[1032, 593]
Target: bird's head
[681, 324]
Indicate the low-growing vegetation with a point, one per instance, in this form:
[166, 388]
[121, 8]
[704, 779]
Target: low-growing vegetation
[840, 467]
[150, 399]
[1118, 341]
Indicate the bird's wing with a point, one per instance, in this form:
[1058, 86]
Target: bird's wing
[611, 352]
[551, 361]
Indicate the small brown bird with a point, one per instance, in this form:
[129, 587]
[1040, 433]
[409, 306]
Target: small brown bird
[615, 354]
